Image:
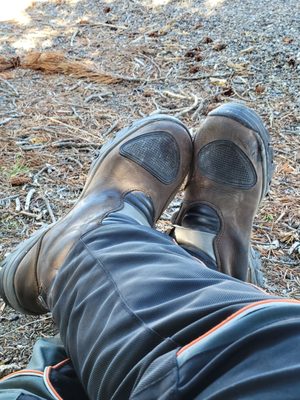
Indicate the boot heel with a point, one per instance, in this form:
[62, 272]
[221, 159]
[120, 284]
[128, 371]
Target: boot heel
[9, 266]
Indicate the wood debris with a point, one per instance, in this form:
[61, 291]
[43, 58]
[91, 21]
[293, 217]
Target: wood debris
[57, 63]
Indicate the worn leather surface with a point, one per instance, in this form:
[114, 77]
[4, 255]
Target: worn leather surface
[234, 206]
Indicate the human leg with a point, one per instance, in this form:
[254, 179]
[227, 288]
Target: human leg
[151, 156]
[49, 375]
[145, 163]
[155, 299]
[130, 305]
[128, 301]
[230, 175]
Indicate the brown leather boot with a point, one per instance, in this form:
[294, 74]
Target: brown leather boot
[231, 173]
[138, 173]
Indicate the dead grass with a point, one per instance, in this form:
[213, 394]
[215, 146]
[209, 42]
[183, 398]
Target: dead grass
[56, 63]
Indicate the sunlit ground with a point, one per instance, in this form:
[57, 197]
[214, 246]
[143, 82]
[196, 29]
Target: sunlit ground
[213, 3]
[16, 9]
[212, 6]
[207, 7]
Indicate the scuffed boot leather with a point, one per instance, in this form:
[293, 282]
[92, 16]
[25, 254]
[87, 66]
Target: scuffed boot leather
[231, 173]
[146, 163]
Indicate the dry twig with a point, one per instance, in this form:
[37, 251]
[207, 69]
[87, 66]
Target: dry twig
[28, 199]
[47, 202]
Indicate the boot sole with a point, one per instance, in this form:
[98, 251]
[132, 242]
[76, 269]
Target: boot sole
[120, 136]
[9, 265]
[251, 120]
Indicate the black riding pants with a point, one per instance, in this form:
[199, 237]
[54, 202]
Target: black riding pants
[142, 319]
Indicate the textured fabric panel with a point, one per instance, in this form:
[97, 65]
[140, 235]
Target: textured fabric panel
[156, 371]
[128, 295]
[261, 365]
[224, 162]
[249, 319]
[157, 152]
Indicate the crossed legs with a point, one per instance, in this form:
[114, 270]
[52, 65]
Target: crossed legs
[140, 316]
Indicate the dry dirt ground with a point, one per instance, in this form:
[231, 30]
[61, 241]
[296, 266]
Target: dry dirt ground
[178, 57]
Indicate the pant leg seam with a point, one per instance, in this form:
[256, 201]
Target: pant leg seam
[138, 393]
[122, 299]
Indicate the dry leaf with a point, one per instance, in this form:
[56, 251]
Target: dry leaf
[148, 93]
[228, 91]
[218, 82]
[242, 67]
[259, 89]
[157, 33]
[38, 140]
[289, 237]
[198, 57]
[193, 69]
[19, 180]
[161, 32]
[83, 22]
[219, 46]
[153, 34]
[195, 52]
[207, 39]
[291, 61]
[190, 53]
[286, 168]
